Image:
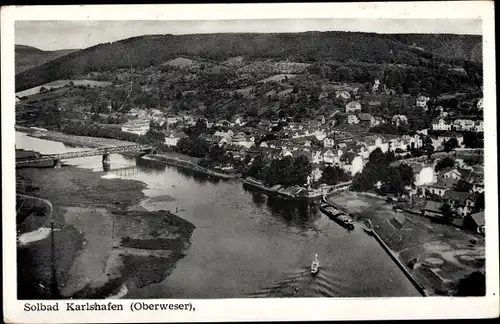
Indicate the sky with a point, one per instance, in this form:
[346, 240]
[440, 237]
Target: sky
[56, 35]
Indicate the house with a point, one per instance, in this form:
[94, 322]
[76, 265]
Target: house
[412, 142]
[329, 157]
[424, 174]
[422, 101]
[227, 135]
[243, 140]
[376, 142]
[478, 187]
[475, 222]
[342, 94]
[439, 188]
[480, 104]
[352, 163]
[316, 174]
[464, 125]
[450, 173]
[137, 126]
[353, 106]
[174, 137]
[462, 202]
[441, 125]
[478, 128]
[352, 119]
[433, 209]
[398, 120]
[328, 142]
[367, 120]
[374, 103]
[376, 85]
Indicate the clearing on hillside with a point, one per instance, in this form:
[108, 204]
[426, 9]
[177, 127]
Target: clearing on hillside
[61, 83]
[181, 62]
[277, 78]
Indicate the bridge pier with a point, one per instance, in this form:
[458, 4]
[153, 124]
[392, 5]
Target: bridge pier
[57, 163]
[106, 161]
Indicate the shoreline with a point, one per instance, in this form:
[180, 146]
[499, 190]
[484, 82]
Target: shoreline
[98, 142]
[410, 238]
[131, 259]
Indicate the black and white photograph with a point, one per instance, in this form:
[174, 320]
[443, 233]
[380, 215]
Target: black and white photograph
[207, 159]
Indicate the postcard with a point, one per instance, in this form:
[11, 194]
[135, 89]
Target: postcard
[249, 162]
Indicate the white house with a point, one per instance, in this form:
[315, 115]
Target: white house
[343, 94]
[480, 104]
[424, 175]
[352, 163]
[441, 125]
[422, 101]
[464, 124]
[352, 119]
[376, 85]
[353, 106]
[227, 135]
[329, 157]
[398, 120]
[242, 140]
[173, 138]
[139, 127]
[478, 128]
[328, 142]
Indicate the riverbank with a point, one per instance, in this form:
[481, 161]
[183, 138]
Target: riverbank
[442, 254]
[296, 192]
[86, 141]
[179, 161]
[121, 243]
[170, 158]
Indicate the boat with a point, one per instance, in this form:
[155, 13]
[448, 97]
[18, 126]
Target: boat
[315, 265]
[338, 216]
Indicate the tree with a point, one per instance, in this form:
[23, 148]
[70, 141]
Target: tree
[480, 202]
[256, 169]
[394, 183]
[447, 212]
[333, 175]
[427, 146]
[185, 145]
[447, 162]
[462, 186]
[471, 140]
[450, 144]
[301, 169]
[472, 285]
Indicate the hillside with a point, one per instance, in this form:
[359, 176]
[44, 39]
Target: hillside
[28, 57]
[144, 51]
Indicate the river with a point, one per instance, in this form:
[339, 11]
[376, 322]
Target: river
[246, 244]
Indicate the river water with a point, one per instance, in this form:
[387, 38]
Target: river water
[246, 244]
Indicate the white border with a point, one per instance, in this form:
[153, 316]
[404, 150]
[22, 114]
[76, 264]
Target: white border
[260, 309]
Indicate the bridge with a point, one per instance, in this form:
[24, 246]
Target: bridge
[105, 152]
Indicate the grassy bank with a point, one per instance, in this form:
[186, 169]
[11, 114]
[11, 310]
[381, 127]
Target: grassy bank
[412, 237]
[114, 230]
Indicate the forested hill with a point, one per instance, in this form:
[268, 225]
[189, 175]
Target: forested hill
[28, 57]
[144, 51]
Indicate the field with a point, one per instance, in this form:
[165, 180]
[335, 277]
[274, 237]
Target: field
[61, 83]
[181, 62]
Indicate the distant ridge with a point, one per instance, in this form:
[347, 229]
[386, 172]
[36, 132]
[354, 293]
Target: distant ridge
[144, 51]
[27, 57]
